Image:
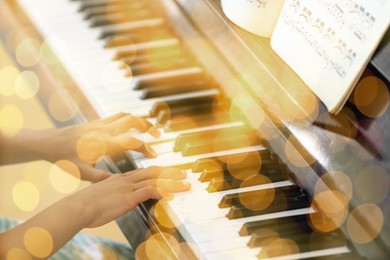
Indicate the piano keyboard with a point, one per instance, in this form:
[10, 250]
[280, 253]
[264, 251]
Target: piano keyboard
[106, 46]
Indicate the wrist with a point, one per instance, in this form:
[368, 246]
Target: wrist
[82, 208]
[78, 208]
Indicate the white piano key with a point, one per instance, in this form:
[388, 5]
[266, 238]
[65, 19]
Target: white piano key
[172, 159]
[222, 245]
[314, 253]
[216, 224]
[234, 254]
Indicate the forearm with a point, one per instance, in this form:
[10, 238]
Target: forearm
[48, 231]
[28, 145]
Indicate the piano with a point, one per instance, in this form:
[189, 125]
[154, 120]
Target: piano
[273, 174]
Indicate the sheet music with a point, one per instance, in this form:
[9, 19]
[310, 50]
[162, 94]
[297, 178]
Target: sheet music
[328, 43]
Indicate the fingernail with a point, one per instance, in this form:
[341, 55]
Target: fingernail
[153, 131]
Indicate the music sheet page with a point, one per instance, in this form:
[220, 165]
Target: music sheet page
[328, 43]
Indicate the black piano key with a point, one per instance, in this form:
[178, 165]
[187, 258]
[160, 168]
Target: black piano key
[166, 90]
[182, 139]
[224, 143]
[232, 183]
[146, 68]
[305, 241]
[100, 11]
[112, 31]
[280, 192]
[250, 227]
[178, 124]
[174, 78]
[204, 163]
[131, 11]
[138, 58]
[118, 18]
[102, 3]
[184, 111]
[171, 104]
[276, 206]
[267, 165]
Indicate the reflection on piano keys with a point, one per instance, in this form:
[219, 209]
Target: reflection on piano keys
[246, 202]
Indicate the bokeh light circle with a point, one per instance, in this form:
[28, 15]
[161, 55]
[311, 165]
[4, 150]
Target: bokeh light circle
[11, 120]
[372, 184]
[27, 85]
[18, 254]
[25, 196]
[38, 242]
[335, 180]
[64, 176]
[371, 96]
[365, 223]
[331, 210]
[8, 76]
[27, 52]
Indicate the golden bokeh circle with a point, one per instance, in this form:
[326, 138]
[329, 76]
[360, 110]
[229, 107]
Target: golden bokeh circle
[279, 247]
[364, 223]
[160, 245]
[225, 141]
[331, 210]
[25, 196]
[243, 165]
[11, 120]
[41, 180]
[27, 52]
[259, 199]
[161, 216]
[8, 76]
[371, 96]
[372, 184]
[140, 252]
[335, 180]
[18, 254]
[27, 85]
[64, 176]
[38, 242]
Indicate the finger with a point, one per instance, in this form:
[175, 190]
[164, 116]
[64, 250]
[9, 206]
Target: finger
[145, 174]
[155, 172]
[145, 194]
[165, 184]
[89, 173]
[153, 131]
[127, 142]
[128, 122]
[113, 118]
[172, 173]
